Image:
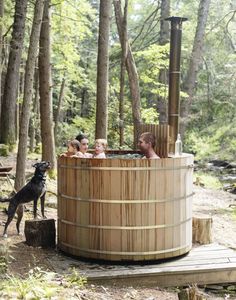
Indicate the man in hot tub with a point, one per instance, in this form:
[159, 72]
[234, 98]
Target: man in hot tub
[146, 143]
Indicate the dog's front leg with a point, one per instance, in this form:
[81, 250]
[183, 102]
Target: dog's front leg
[35, 208]
[42, 202]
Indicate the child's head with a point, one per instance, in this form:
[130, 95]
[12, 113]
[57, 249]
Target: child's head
[73, 146]
[83, 142]
[100, 145]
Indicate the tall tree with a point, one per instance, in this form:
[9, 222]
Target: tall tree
[34, 130]
[28, 93]
[58, 110]
[132, 73]
[122, 72]
[45, 89]
[189, 83]
[1, 48]
[7, 134]
[102, 69]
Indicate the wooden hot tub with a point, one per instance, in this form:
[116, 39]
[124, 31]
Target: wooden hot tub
[125, 209]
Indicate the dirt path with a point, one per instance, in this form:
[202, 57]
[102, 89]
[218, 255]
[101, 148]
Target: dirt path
[222, 207]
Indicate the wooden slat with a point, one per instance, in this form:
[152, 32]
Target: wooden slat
[5, 169]
[4, 174]
[216, 264]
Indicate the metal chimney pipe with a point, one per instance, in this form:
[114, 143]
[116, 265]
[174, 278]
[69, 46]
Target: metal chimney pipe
[174, 78]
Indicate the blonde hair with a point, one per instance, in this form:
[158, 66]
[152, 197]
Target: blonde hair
[101, 141]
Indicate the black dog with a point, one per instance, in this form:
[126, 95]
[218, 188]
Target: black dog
[32, 191]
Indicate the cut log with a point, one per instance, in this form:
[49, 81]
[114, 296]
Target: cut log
[40, 233]
[202, 230]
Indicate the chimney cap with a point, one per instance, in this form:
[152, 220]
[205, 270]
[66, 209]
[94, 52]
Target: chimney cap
[176, 19]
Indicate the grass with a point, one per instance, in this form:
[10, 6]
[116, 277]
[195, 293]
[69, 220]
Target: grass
[209, 181]
[4, 258]
[40, 284]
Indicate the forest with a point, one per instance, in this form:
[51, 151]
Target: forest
[101, 68]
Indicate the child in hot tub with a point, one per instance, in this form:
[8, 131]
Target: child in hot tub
[100, 148]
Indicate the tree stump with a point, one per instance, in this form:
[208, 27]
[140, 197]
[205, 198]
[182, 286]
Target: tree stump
[202, 230]
[40, 233]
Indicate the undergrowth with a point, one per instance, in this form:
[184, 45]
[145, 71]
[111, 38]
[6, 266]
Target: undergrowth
[40, 284]
[4, 256]
[207, 180]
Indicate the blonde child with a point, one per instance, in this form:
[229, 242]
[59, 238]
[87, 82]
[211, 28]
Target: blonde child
[100, 148]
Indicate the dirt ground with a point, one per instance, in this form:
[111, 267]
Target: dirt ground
[219, 204]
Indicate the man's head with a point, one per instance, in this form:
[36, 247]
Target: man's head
[146, 142]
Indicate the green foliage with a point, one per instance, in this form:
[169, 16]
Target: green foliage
[212, 142]
[211, 131]
[78, 125]
[211, 127]
[149, 115]
[4, 258]
[208, 180]
[39, 284]
[4, 150]
[72, 34]
[150, 62]
[75, 279]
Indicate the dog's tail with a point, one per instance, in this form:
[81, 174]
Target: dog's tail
[4, 199]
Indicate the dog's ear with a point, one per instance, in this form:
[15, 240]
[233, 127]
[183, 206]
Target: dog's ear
[35, 165]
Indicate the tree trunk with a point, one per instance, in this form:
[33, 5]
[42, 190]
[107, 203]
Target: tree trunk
[12, 77]
[45, 89]
[34, 130]
[189, 83]
[122, 72]
[132, 74]
[28, 93]
[57, 113]
[102, 69]
[1, 48]
[84, 108]
[163, 76]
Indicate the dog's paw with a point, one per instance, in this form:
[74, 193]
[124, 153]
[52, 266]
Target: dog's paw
[20, 233]
[5, 235]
